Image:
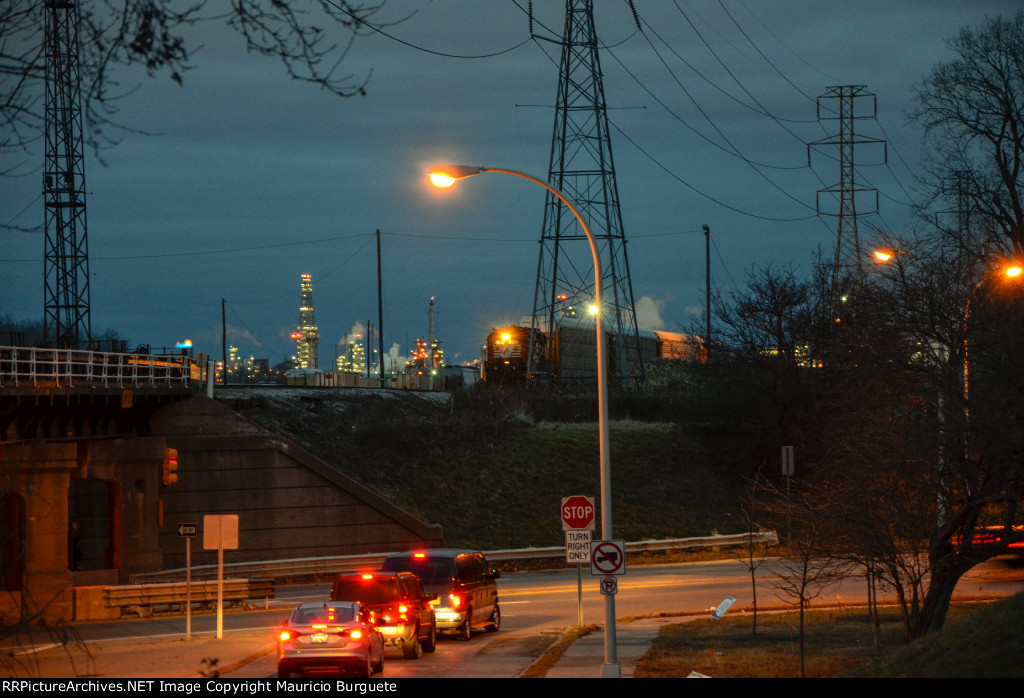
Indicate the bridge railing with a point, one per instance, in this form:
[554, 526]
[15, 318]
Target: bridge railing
[33, 367]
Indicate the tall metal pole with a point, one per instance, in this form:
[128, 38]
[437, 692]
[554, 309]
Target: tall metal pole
[224, 341]
[611, 668]
[707, 286]
[380, 321]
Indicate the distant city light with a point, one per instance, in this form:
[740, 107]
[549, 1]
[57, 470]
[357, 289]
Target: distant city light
[184, 344]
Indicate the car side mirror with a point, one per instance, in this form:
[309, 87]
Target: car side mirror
[493, 574]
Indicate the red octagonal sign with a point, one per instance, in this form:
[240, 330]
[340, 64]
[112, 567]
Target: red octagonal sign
[578, 513]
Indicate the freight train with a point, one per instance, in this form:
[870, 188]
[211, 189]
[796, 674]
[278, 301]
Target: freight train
[568, 354]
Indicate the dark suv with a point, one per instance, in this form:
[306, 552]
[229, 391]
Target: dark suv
[467, 595]
[402, 611]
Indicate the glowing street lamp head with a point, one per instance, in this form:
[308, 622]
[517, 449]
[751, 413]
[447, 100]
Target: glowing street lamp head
[1015, 270]
[446, 175]
[883, 255]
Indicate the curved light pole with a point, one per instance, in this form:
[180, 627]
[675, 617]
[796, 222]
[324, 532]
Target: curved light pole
[446, 176]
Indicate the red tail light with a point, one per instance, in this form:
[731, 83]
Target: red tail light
[456, 600]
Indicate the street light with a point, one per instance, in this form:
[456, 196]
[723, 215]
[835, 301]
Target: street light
[446, 176]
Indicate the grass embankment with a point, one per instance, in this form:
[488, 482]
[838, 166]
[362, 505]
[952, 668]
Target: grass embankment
[976, 642]
[494, 479]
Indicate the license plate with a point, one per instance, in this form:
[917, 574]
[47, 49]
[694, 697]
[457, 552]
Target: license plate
[317, 638]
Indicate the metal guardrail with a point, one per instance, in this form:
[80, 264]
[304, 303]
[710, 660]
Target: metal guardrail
[288, 570]
[143, 599]
[66, 367]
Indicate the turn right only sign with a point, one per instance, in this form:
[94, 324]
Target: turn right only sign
[607, 557]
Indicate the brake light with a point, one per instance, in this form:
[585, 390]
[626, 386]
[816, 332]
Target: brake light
[356, 634]
[456, 600]
[403, 609]
[367, 576]
[419, 555]
[287, 635]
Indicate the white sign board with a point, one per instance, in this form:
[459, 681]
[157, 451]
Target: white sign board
[608, 557]
[220, 532]
[577, 547]
[723, 607]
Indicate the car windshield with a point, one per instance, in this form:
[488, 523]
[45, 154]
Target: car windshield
[322, 615]
[366, 591]
[430, 572]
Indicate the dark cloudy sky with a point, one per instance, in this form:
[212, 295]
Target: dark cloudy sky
[245, 180]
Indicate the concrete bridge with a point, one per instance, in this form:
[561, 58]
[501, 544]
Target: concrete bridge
[85, 500]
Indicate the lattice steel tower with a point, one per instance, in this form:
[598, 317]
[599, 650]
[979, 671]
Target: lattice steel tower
[581, 166]
[306, 334]
[839, 104]
[66, 321]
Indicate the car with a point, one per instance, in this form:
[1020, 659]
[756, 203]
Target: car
[403, 611]
[329, 636]
[465, 586]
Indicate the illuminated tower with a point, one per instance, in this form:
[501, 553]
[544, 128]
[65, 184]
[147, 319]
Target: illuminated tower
[66, 320]
[306, 336]
[581, 166]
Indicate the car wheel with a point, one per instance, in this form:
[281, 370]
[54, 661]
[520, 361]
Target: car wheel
[283, 672]
[412, 649]
[431, 644]
[495, 620]
[380, 665]
[365, 669]
[466, 630]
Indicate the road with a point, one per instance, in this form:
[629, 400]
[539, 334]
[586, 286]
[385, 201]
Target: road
[535, 608]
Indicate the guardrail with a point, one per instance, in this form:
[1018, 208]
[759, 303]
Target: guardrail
[66, 367]
[320, 567]
[143, 599]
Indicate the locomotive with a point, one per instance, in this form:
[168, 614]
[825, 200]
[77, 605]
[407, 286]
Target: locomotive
[569, 354]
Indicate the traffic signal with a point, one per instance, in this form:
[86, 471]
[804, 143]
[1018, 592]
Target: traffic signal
[170, 466]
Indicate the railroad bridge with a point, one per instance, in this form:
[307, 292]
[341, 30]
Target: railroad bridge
[89, 494]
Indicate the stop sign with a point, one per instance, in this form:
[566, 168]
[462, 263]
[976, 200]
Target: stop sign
[577, 513]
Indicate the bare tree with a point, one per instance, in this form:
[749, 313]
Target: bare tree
[812, 562]
[972, 109]
[311, 38]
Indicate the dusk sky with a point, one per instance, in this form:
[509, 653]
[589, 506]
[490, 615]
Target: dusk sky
[241, 180]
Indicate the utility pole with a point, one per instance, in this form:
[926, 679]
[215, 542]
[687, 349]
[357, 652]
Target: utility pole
[380, 321]
[707, 286]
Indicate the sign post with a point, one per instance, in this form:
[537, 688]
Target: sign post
[578, 522]
[188, 532]
[220, 532]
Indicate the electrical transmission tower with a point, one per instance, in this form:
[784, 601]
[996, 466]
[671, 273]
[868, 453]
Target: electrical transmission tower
[66, 320]
[581, 166]
[306, 334]
[840, 104]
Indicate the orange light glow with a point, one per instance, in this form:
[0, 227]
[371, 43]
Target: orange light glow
[883, 255]
[441, 180]
[1014, 271]
[356, 634]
